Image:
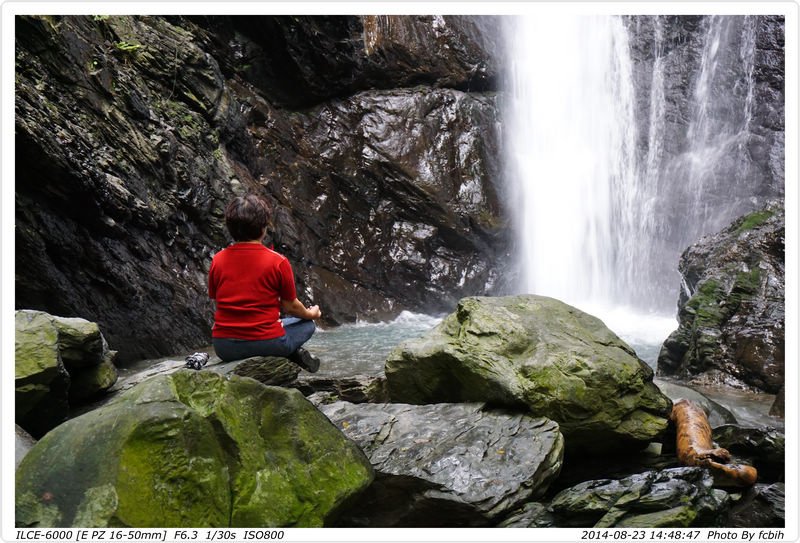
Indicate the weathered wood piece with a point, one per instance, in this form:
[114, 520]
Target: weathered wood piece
[696, 448]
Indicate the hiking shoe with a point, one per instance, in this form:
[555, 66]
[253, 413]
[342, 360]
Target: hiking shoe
[305, 360]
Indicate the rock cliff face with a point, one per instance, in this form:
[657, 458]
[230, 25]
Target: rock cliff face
[375, 139]
[742, 119]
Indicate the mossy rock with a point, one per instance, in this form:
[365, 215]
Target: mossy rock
[89, 382]
[41, 381]
[731, 309]
[753, 220]
[59, 362]
[80, 342]
[677, 498]
[540, 355]
[192, 448]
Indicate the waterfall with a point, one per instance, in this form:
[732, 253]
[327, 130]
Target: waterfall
[573, 146]
[607, 187]
[716, 159]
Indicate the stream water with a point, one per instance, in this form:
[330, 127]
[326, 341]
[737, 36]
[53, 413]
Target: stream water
[362, 348]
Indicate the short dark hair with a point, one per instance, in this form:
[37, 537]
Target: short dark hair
[246, 217]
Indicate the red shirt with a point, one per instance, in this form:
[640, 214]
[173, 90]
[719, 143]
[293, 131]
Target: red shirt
[248, 282]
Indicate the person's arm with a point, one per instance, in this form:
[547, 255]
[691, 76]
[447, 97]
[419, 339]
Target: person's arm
[212, 281]
[296, 308]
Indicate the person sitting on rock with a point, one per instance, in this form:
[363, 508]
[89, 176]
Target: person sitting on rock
[251, 284]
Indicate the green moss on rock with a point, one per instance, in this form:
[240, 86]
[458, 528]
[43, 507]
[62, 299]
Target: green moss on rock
[754, 220]
[36, 346]
[682, 516]
[193, 449]
[41, 381]
[705, 304]
[538, 354]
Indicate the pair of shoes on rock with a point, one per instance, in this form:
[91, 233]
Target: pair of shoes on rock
[305, 360]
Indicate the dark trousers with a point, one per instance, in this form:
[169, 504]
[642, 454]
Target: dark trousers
[298, 331]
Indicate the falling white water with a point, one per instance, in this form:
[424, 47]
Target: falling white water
[719, 128]
[601, 221]
[573, 150]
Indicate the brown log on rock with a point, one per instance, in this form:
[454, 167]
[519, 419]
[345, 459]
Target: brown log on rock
[696, 448]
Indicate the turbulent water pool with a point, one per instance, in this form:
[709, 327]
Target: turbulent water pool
[362, 348]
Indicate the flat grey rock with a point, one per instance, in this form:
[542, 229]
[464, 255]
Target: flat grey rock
[481, 463]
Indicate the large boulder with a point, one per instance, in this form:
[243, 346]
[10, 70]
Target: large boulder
[731, 310]
[540, 355]
[447, 464]
[192, 448]
[59, 362]
[676, 497]
[41, 393]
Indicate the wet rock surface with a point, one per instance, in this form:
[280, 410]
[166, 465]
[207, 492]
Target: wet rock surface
[380, 159]
[763, 506]
[538, 355]
[731, 311]
[59, 363]
[453, 463]
[678, 497]
[762, 448]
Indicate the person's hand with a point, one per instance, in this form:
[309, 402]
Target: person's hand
[314, 312]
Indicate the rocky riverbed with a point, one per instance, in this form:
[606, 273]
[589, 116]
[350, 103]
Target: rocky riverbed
[474, 460]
